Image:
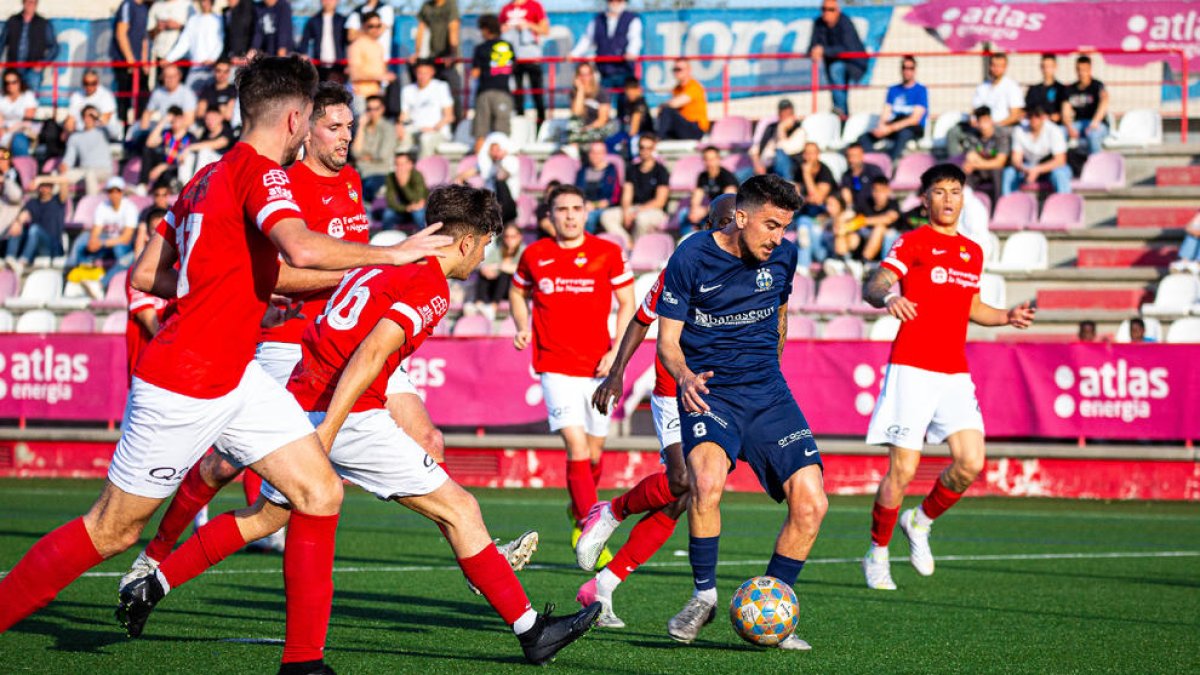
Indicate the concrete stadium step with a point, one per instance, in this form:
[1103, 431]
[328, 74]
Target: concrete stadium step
[1177, 175]
[1158, 256]
[1092, 298]
[1155, 216]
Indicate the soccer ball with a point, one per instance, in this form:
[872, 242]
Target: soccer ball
[764, 611]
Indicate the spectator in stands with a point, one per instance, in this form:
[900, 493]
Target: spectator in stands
[374, 148]
[406, 194]
[1087, 331]
[905, 111]
[856, 181]
[273, 28]
[833, 34]
[1137, 331]
[1087, 107]
[600, 184]
[367, 68]
[130, 44]
[220, 94]
[18, 109]
[165, 146]
[615, 33]
[1189, 250]
[495, 274]
[814, 179]
[170, 94]
[167, 18]
[111, 233]
[491, 69]
[100, 99]
[500, 170]
[201, 43]
[215, 141]
[524, 23]
[684, 116]
[426, 111]
[882, 215]
[324, 41]
[633, 111]
[239, 19]
[11, 189]
[987, 155]
[88, 157]
[1039, 153]
[545, 225]
[37, 229]
[644, 195]
[712, 182]
[439, 21]
[28, 37]
[781, 144]
[160, 198]
[1001, 95]
[1049, 93]
[386, 14]
[591, 112]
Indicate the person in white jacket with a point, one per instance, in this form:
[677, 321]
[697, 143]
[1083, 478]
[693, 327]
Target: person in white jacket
[200, 43]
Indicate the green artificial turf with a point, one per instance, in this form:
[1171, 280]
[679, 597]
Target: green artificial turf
[1022, 586]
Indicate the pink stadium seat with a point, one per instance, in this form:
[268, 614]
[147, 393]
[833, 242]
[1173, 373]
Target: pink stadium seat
[685, 172]
[79, 321]
[467, 163]
[114, 324]
[133, 169]
[801, 327]
[505, 328]
[844, 328]
[435, 169]
[909, 170]
[731, 133]
[1014, 211]
[650, 251]
[736, 162]
[527, 212]
[476, 325]
[444, 328]
[910, 202]
[8, 285]
[802, 292]
[1102, 171]
[614, 238]
[51, 165]
[85, 212]
[27, 169]
[881, 160]
[561, 168]
[983, 199]
[619, 162]
[114, 297]
[1060, 212]
[142, 202]
[836, 293]
[863, 309]
[529, 169]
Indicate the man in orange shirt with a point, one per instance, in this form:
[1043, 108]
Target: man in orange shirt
[685, 115]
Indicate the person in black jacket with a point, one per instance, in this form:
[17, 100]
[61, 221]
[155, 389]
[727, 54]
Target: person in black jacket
[832, 36]
[273, 28]
[324, 41]
[27, 36]
[239, 29]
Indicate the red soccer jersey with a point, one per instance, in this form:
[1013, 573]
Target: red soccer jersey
[416, 297]
[940, 273]
[664, 384]
[227, 270]
[331, 205]
[572, 294]
[136, 335]
[531, 13]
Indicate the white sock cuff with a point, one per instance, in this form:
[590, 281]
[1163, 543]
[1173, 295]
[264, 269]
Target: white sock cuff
[708, 595]
[163, 580]
[606, 582]
[525, 623]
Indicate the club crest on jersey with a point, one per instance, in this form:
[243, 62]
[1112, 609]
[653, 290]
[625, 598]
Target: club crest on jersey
[350, 191]
[336, 230]
[764, 280]
[938, 275]
[962, 253]
[275, 178]
[439, 304]
[580, 259]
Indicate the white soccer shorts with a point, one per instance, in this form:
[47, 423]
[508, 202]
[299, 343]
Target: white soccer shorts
[164, 433]
[400, 383]
[918, 405]
[376, 455]
[569, 403]
[665, 410]
[278, 359]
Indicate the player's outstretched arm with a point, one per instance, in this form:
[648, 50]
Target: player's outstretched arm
[691, 385]
[154, 272]
[625, 309]
[610, 390]
[362, 369]
[305, 249]
[984, 314]
[295, 280]
[878, 293]
[519, 308]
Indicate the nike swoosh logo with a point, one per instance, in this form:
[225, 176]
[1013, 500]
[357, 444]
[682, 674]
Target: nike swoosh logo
[810, 453]
[702, 581]
[543, 263]
[938, 251]
[326, 200]
[706, 289]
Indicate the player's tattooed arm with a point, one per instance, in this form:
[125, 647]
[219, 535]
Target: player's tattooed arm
[691, 385]
[782, 319]
[154, 272]
[610, 390]
[362, 369]
[878, 293]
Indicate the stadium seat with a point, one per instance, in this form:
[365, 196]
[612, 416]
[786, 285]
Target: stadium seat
[114, 296]
[73, 297]
[505, 328]
[1154, 330]
[529, 170]
[685, 172]
[619, 163]
[8, 284]
[1060, 212]
[132, 170]
[435, 169]
[1175, 296]
[40, 288]
[561, 168]
[522, 131]
[1101, 172]
[37, 321]
[910, 202]
[993, 291]
[984, 199]
[387, 238]
[651, 251]
[802, 292]
[79, 321]
[1183, 330]
[836, 293]
[857, 125]
[836, 162]
[527, 212]
[114, 323]
[801, 327]
[27, 170]
[760, 129]
[909, 170]
[884, 329]
[824, 129]
[462, 143]
[1138, 128]
[467, 163]
[733, 133]
[737, 162]
[881, 160]
[1015, 211]
[445, 328]
[941, 128]
[476, 325]
[614, 238]
[85, 211]
[1024, 252]
[6, 321]
[844, 328]
[550, 136]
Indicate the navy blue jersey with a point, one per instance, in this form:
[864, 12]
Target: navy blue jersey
[730, 309]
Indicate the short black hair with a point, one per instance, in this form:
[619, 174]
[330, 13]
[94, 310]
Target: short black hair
[1087, 323]
[376, 98]
[942, 172]
[710, 148]
[1083, 58]
[556, 192]
[880, 180]
[267, 81]
[631, 81]
[368, 16]
[426, 61]
[1137, 321]
[175, 110]
[330, 94]
[910, 59]
[1040, 109]
[758, 191]
[1050, 56]
[998, 56]
[648, 136]
[489, 23]
[854, 145]
[982, 111]
[464, 210]
[155, 213]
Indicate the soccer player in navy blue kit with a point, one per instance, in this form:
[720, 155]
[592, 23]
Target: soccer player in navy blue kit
[723, 324]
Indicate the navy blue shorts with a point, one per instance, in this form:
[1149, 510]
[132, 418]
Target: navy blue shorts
[763, 426]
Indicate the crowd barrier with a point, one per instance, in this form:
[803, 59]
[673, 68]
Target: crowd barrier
[1128, 392]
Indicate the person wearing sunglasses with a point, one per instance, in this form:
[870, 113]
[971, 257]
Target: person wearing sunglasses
[98, 97]
[17, 109]
[833, 35]
[904, 113]
[684, 116]
[367, 67]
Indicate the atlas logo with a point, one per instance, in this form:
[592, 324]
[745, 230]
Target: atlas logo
[1174, 31]
[1110, 391]
[991, 22]
[42, 374]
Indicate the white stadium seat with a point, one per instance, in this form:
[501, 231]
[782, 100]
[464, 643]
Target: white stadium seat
[37, 321]
[1138, 128]
[857, 125]
[941, 128]
[824, 129]
[1024, 252]
[6, 321]
[1175, 296]
[836, 162]
[1154, 330]
[40, 289]
[1184, 330]
[884, 329]
[992, 290]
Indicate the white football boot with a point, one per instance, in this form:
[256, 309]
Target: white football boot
[597, 527]
[793, 643]
[918, 541]
[877, 568]
[696, 614]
